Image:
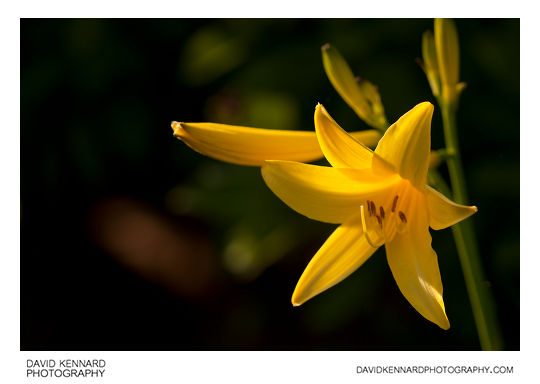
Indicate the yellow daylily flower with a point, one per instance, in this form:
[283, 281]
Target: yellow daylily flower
[380, 198]
[252, 146]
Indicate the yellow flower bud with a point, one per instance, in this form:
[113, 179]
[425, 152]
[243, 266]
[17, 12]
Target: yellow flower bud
[361, 95]
[430, 64]
[447, 47]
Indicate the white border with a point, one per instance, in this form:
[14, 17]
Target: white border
[289, 367]
[270, 9]
[240, 367]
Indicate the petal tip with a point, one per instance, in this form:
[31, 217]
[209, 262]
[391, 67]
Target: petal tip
[178, 131]
[426, 106]
[445, 325]
[321, 111]
[472, 209]
[295, 302]
[326, 47]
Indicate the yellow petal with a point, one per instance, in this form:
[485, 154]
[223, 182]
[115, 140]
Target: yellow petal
[344, 251]
[325, 194]
[368, 137]
[251, 146]
[414, 265]
[406, 144]
[340, 149]
[247, 146]
[447, 45]
[443, 212]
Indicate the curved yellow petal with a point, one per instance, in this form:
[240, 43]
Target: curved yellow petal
[443, 212]
[340, 149]
[406, 144]
[251, 146]
[368, 137]
[414, 265]
[247, 146]
[344, 252]
[325, 194]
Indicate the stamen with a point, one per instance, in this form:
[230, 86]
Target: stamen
[364, 229]
[381, 209]
[399, 225]
[394, 203]
[402, 217]
[373, 207]
[368, 202]
[379, 220]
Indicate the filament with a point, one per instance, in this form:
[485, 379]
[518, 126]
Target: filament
[365, 230]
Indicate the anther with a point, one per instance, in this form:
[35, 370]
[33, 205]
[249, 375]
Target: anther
[394, 203]
[402, 217]
[381, 209]
[379, 220]
[373, 207]
[368, 203]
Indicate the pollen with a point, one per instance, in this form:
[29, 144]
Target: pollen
[402, 217]
[373, 207]
[394, 203]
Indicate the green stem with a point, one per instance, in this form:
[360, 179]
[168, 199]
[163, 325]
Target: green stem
[477, 287]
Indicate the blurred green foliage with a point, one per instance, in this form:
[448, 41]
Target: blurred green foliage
[97, 98]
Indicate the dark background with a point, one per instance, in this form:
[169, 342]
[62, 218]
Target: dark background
[132, 241]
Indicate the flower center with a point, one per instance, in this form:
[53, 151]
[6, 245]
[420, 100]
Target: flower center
[384, 217]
